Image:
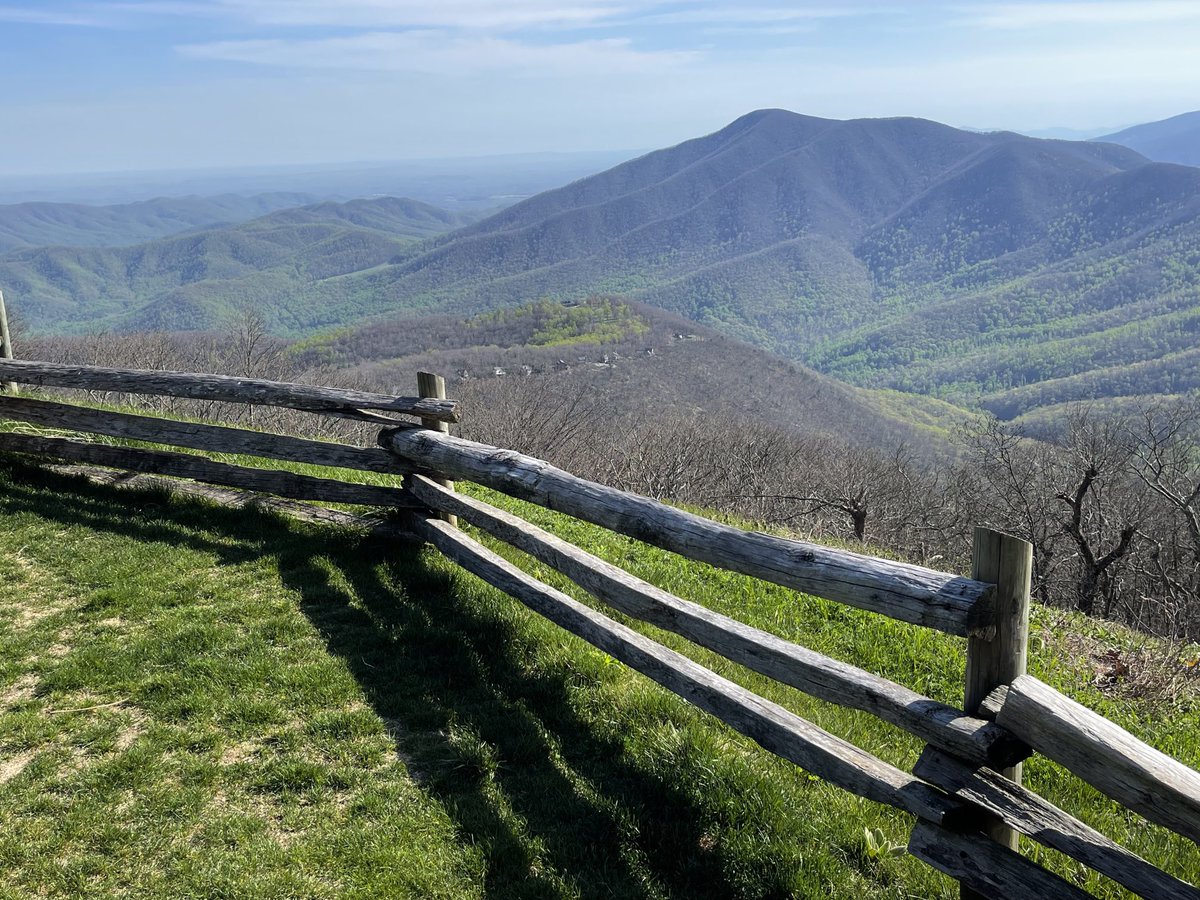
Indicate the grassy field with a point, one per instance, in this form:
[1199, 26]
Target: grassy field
[195, 701]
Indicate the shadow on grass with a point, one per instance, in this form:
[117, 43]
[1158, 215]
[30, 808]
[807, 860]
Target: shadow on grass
[554, 807]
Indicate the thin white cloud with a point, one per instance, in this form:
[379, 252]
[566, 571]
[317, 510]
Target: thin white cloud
[497, 15]
[441, 52]
[737, 14]
[1089, 12]
[26, 16]
[383, 14]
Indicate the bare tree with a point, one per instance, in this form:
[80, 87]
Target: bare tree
[1103, 517]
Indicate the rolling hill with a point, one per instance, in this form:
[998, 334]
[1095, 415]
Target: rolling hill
[891, 253]
[79, 225]
[628, 357]
[1175, 140]
[193, 281]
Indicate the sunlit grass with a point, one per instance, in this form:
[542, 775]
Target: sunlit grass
[204, 701]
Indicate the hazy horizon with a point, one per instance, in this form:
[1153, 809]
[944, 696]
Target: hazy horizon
[154, 85]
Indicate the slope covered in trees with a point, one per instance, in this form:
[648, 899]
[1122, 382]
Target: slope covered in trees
[196, 280]
[893, 253]
[80, 225]
[1176, 139]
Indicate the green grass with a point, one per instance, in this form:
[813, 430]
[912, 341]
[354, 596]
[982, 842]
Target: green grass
[197, 701]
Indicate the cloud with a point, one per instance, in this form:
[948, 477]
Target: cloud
[441, 52]
[497, 15]
[1115, 12]
[384, 14]
[45, 16]
[719, 14]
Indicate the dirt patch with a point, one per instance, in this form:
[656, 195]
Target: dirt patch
[127, 736]
[239, 752]
[20, 691]
[13, 766]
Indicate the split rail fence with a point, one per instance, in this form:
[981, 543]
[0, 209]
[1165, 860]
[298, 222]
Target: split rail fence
[965, 790]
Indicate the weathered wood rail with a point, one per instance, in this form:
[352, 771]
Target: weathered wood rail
[964, 791]
[195, 386]
[906, 592]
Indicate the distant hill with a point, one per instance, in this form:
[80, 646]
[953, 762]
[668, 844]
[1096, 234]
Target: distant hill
[78, 225]
[395, 216]
[193, 281]
[631, 356]
[892, 253]
[1174, 140]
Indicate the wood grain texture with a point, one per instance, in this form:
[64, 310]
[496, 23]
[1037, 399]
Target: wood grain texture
[997, 658]
[821, 676]
[910, 593]
[316, 515]
[989, 869]
[431, 385]
[198, 386]
[1041, 820]
[216, 438]
[771, 726]
[1104, 755]
[6, 348]
[198, 468]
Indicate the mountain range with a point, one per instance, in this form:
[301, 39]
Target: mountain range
[1176, 139]
[990, 269]
[197, 279]
[38, 224]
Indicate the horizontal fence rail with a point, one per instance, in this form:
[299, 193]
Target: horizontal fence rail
[906, 592]
[195, 386]
[1102, 753]
[986, 868]
[815, 674]
[235, 499]
[964, 790]
[769, 725]
[1026, 812]
[199, 468]
[196, 436]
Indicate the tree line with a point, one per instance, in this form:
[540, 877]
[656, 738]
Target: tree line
[1110, 500]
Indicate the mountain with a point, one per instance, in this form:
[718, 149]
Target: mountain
[395, 216]
[1174, 140]
[624, 356]
[193, 281]
[892, 253]
[78, 225]
[985, 268]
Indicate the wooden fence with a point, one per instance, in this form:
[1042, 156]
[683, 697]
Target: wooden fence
[965, 790]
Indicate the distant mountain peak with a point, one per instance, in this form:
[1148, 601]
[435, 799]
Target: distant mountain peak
[1173, 140]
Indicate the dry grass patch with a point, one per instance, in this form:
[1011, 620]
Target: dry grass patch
[19, 692]
[13, 766]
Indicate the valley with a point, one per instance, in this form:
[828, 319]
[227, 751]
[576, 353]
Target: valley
[992, 271]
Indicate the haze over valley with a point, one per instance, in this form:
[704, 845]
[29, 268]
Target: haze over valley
[992, 270]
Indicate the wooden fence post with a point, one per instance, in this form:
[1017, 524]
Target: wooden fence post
[6, 347]
[1007, 562]
[434, 386]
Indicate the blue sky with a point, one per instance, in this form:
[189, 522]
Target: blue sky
[158, 84]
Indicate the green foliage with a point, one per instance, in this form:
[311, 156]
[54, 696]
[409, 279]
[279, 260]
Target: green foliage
[546, 323]
[77, 225]
[205, 701]
[982, 269]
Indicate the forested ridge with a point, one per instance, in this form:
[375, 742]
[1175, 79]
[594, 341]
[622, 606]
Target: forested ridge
[992, 270]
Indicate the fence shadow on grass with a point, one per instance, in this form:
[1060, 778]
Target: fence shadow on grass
[525, 779]
[551, 805]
